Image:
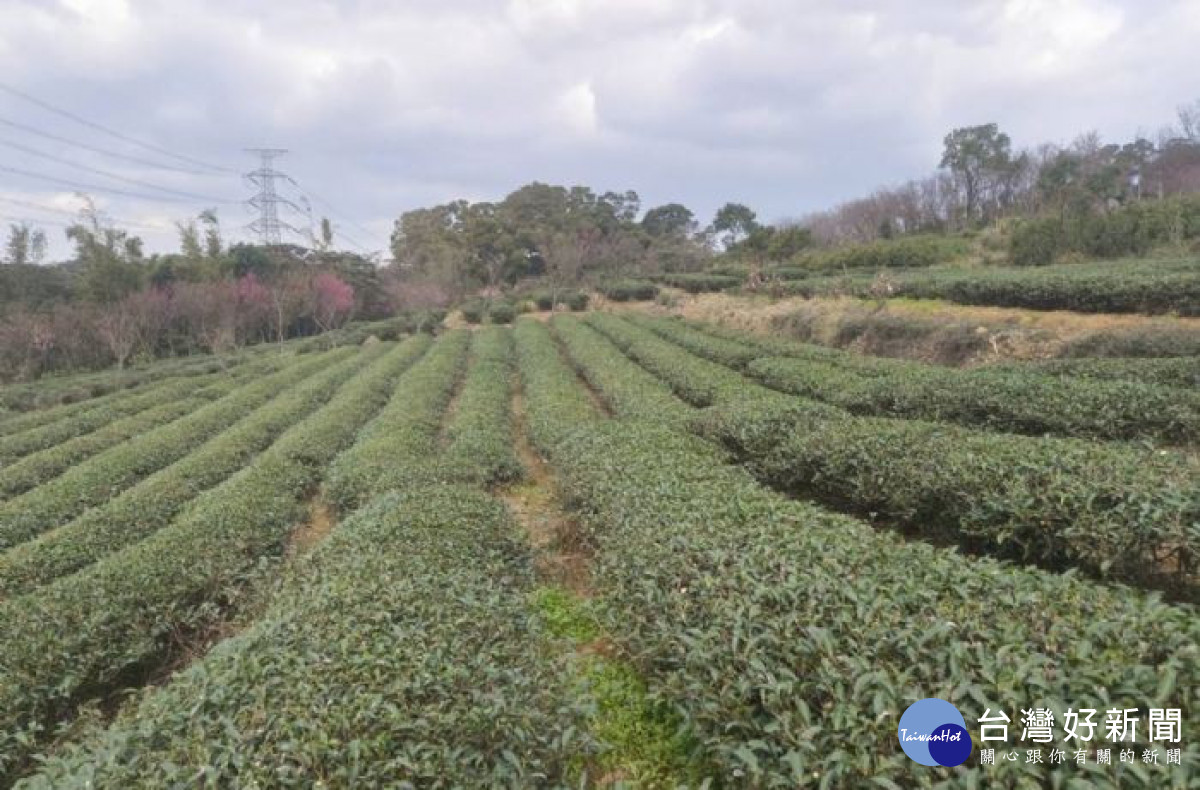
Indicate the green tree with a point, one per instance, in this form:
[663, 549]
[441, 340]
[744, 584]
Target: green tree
[325, 243]
[110, 258]
[26, 244]
[978, 157]
[671, 219]
[214, 247]
[733, 223]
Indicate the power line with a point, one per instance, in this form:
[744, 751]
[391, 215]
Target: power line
[334, 211]
[92, 125]
[89, 187]
[102, 151]
[114, 176]
[34, 222]
[75, 214]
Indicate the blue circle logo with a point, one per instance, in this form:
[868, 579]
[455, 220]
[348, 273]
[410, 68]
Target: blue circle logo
[932, 732]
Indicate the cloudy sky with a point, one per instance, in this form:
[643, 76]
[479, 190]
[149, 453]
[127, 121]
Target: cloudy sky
[786, 105]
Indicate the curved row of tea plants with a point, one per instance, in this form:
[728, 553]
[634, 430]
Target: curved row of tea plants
[1014, 400]
[154, 502]
[106, 474]
[19, 445]
[1152, 287]
[402, 653]
[37, 468]
[698, 381]
[1117, 511]
[791, 639]
[29, 399]
[407, 427]
[478, 437]
[79, 636]
[432, 667]
[1165, 371]
[628, 389]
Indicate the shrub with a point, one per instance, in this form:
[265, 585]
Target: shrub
[630, 291]
[473, 311]
[502, 313]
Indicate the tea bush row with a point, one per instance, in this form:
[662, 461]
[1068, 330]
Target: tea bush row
[1116, 511]
[478, 437]
[105, 474]
[791, 639]
[1010, 399]
[152, 504]
[406, 427]
[83, 634]
[19, 445]
[401, 653]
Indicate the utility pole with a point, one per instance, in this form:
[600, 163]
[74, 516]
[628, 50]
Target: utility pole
[266, 201]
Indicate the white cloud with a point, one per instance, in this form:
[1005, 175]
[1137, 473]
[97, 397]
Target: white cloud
[788, 105]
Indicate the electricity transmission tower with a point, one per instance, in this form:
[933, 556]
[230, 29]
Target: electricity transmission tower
[269, 226]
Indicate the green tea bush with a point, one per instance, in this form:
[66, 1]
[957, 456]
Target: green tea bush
[1112, 287]
[106, 474]
[400, 653]
[628, 389]
[22, 443]
[791, 639]
[153, 503]
[406, 427]
[36, 468]
[1149, 341]
[73, 639]
[502, 313]
[1017, 400]
[478, 437]
[1116, 512]
[1172, 372]
[700, 283]
[630, 291]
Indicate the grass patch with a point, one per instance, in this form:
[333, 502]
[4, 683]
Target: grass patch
[644, 744]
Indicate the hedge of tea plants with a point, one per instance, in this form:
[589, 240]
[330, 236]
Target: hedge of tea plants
[400, 654]
[700, 283]
[16, 446]
[1167, 372]
[35, 468]
[102, 476]
[1124, 512]
[431, 667]
[790, 639]
[1012, 399]
[628, 389]
[154, 502]
[406, 427]
[478, 436]
[1153, 287]
[630, 290]
[78, 637]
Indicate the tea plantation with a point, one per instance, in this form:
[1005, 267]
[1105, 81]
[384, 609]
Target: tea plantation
[603, 550]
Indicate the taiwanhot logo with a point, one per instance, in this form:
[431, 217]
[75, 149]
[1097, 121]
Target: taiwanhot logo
[933, 732]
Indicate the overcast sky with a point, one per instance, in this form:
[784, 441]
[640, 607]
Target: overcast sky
[786, 105]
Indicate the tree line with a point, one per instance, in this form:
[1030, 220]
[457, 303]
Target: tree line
[981, 178]
[111, 303]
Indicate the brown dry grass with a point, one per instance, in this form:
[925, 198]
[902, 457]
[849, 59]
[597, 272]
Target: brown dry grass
[1011, 333]
[561, 557]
